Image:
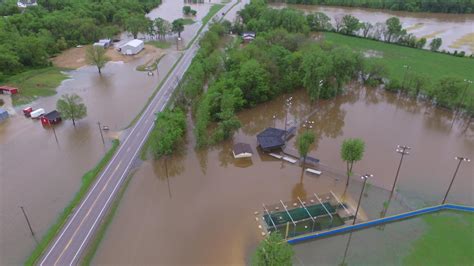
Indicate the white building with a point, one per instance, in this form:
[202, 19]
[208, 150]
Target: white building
[132, 47]
[26, 3]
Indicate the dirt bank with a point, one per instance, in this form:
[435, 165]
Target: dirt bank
[76, 57]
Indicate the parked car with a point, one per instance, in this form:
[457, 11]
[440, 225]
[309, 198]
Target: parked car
[27, 111]
[37, 113]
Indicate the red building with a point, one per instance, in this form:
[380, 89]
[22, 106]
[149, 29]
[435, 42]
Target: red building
[8, 90]
[51, 118]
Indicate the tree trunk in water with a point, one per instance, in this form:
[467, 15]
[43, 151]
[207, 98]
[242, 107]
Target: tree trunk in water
[349, 171]
[100, 72]
[74, 122]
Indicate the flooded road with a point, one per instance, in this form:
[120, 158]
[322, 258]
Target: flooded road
[204, 212]
[456, 30]
[42, 175]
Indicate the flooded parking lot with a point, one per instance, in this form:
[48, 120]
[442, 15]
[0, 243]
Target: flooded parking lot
[204, 212]
[456, 30]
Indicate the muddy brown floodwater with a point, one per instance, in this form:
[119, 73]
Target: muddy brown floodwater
[203, 213]
[456, 30]
[42, 175]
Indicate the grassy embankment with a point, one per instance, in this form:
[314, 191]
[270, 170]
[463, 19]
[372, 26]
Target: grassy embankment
[212, 11]
[35, 83]
[188, 21]
[434, 65]
[449, 240]
[87, 179]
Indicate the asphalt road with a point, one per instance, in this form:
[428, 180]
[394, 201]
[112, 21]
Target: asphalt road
[70, 243]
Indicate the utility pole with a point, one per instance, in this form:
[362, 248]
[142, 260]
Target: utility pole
[288, 104]
[28, 221]
[101, 135]
[460, 159]
[364, 177]
[403, 150]
[55, 136]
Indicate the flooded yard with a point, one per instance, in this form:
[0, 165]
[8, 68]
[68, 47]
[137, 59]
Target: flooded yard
[203, 213]
[421, 24]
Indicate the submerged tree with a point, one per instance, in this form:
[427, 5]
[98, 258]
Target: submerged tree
[95, 55]
[272, 251]
[304, 142]
[71, 107]
[352, 150]
[178, 26]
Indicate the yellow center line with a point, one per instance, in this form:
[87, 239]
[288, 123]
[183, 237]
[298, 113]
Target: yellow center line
[87, 214]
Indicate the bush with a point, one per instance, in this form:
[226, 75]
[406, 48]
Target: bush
[393, 85]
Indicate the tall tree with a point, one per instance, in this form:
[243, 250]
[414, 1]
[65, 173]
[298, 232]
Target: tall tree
[350, 24]
[435, 44]
[71, 107]
[319, 21]
[273, 251]
[394, 28]
[95, 55]
[137, 24]
[317, 67]
[352, 150]
[178, 26]
[170, 127]
[366, 27]
[163, 27]
[304, 142]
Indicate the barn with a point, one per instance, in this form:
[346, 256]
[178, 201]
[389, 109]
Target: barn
[132, 47]
[51, 118]
[8, 90]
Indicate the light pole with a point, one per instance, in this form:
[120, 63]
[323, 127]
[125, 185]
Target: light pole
[274, 120]
[308, 124]
[100, 130]
[460, 159]
[407, 67]
[403, 150]
[288, 103]
[364, 177]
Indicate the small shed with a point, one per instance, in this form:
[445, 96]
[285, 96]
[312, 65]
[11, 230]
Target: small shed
[271, 138]
[100, 44]
[51, 118]
[107, 42]
[3, 114]
[242, 150]
[248, 36]
[8, 90]
[132, 47]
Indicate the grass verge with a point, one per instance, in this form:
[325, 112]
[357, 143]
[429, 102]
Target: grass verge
[150, 67]
[160, 44]
[433, 65]
[212, 11]
[448, 240]
[35, 83]
[188, 21]
[99, 235]
[87, 179]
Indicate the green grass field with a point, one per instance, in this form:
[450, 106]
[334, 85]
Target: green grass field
[434, 65]
[160, 44]
[449, 240]
[35, 83]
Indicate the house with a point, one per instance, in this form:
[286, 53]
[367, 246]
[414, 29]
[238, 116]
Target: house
[8, 90]
[3, 114]
[100, 44]
[132, 47]
[248, 36]
[242, 150]
[26, 3]
[106, 42]
[271, 139]
[51, 118]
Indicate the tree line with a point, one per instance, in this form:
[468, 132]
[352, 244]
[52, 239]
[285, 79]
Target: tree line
[30, 38]
[438, 6]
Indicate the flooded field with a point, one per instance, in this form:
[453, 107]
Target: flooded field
[42, 175]
[203, 213]
[427, 25]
